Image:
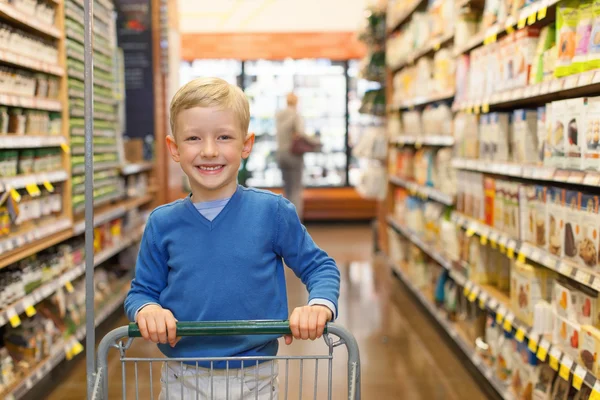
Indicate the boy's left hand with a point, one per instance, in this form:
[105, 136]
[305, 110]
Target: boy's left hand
[308, 322]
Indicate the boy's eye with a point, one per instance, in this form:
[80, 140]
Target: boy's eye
[224, 137]
[192, 138]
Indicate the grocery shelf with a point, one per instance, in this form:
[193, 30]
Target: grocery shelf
[113, 212]
[19, 60]
[97, 149]
[21, 181]
[12, 14]
[80, 169]
[452, 332]
[492, 299]
[531, 172]
[424, 100]
[97, 132]
[27, 241]
[522, 250]
[429, 140]
[578, 85]
[30, 102]
[71, 53]
[529, 15]
[57, 354]
[430, 47]
[74, 35]
[130, 169]
[404, 17]
[49, 288]
[30, 141]
[424, 191]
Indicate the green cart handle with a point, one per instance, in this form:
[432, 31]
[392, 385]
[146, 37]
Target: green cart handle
[226, 328]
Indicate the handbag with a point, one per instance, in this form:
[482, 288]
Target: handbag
[301, 145]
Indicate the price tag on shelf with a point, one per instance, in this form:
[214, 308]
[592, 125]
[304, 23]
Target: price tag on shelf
[13, 317]
[470, 231]
[565, 269]
[76, 347]
[33, 189]
[582, 276]
[500, 314]
[531, 19]
[437, 46]
[522, 23]
[595, 391]
[502, 248]
[565, 368]
[49, 187]
[493, 303]
[532, 344]
[485, 108]
[571, 82]
[29, 308]
[65, 147]
[69, 287]
[483, 297]
[553, 358]
[493, 244]
[520, 335]
[557, 85]
[15, 195]
[543, 350]
[467, 288]
[579, 376]
[473, 295]
[510, 253]
[508, 321]
[521, 258]
[483, 240]
[550, 261]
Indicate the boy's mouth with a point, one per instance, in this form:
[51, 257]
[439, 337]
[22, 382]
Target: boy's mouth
[210, 169]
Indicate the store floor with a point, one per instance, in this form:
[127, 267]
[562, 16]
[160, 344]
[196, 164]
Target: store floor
[403, 355]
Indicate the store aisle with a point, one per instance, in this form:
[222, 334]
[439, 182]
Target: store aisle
[403, 355]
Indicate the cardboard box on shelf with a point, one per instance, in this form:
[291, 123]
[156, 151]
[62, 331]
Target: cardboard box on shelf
[134, 150]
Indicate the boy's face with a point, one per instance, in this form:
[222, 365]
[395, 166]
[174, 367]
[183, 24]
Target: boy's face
[209, 145]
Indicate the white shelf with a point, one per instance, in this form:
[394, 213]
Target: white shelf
[18, 240]
[30, 141]
[49, 288]
[19, 60]
[583, 275]
[113, 213]
[13, 14]
[423, 100]
[428, 140]
[20, 181]
[424, 191]
[131, 169]
[533, 172]
[30, 102]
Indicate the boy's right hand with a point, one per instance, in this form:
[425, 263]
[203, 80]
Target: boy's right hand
[157, 325]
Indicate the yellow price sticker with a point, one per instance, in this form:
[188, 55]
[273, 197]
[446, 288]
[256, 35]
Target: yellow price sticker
[542, 12]
[466, 291]
[510, 253]
[470, 232]
[502, 249]
[520, 335]
[499, 318]
[531, 19]
[68, 353]
[33, 189]
[595, 395]
[15, 195]
[532, 345]
[13, 318]
[418, 145]
[65, 147]
[493, 244]
[49, 187]
[577, 382]
[542, 353]
[521, 258]
[77, 348]
[522, 23]
[469, 110]
[437, 46]
[476, 109]
[482, 303]
[473, 296]
[564, 372]
[553, 362]
[69, 287]
[510, 29]
[483, 240]
[485, 108]
[507, 325]
[30, 311]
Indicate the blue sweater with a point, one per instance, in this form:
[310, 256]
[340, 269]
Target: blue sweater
[230, 268]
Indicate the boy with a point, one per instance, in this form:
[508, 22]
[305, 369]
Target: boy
[218, 254]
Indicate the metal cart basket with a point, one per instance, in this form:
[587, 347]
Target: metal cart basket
[122, 338]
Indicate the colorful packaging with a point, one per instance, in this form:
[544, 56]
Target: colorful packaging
[547, 40]
[591, 124]
[573, 231]
[566, 336]
[541, 218]
[541, 134]
[555, 141]
[584, 33]
[525, 44]
[589, 246]
[556, 220]
[527, 205]
[528, 286]
[524, 146]
[572, 120]
[589, 348]
[594, 50]
[567, 17]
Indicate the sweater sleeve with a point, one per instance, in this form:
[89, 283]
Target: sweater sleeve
[311, 264]
[151, 274]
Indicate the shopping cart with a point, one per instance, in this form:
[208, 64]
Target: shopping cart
[122, 338]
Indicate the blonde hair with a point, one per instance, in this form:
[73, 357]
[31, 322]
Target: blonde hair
[211, 92]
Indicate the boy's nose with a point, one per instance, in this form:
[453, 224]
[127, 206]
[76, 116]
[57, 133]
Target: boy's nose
[210, 150]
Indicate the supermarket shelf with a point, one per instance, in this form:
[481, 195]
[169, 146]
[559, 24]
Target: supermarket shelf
[413, 237]
[30, 102]
[97, 149]
[74, 35]
[419, 141]
[528, 16]
[441, 319]
[80, 189]
[19, 182]
[578, 85]
[19, 60]
[130, 169]
[97, 132]
[57, 354]
[113, 212]
[51, 287]
[80, 169]
[75, 55]
[430, 47]
[14, 15]
[78, 94]
[104, 200]
[30, 141]
[583, 275]
[424, 191]
[409, 12]
[424, 100]
[532, 172]
[27, 241]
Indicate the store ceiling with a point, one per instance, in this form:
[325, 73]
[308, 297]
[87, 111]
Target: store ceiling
[234, 16]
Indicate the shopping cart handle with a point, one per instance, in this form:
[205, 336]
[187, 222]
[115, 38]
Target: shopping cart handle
[223, 328]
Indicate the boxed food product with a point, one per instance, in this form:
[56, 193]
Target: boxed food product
[528, 286]
[499, 205]
[556, 220]
[567, 18]
[588, 308]
[541, 134]
[591, 124]
[589, 348]
[594, 50]
[500, 136]
[526, 41]
[541, 218]
[566, 336]
[543, 383]
[546, 41]
[527, 206]
[525, 136]
[572, 231]
[489, 187]
[485, 145]
[583, 36]
[589, 247]
[565, 300]
[573, 115]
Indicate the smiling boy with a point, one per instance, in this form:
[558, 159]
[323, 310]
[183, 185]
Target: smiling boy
[218, 254]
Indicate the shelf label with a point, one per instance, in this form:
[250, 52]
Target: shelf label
[15, 195]
[508, 322]
[65, 147]
[77, 348]
[565, 269]
[522, 23]
[502, 248]
[553, 358]
[33, 189]
[543, 350]
[565, 368]
[482, 300]
[510, 252]
[520, 335]
[500, 314]
[578, 377]
[473, 295]
[531, 19]
[483, 240]
[485, 108]
[532, 345]
[542, 13]
[595, 395]
[29, 308]
[13, 317]
[69, 287]
[493, 244]
[49, 187]
[470, 231]
[521, 258]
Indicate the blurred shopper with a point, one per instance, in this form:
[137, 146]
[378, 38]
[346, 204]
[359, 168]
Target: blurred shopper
[292, 143]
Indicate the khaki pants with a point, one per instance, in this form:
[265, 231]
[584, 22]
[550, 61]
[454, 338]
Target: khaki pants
[189, 383]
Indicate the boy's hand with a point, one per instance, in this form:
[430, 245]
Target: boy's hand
[157, 325]
[308, 322]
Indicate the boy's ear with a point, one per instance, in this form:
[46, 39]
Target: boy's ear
[173, 148]
[248, 143]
